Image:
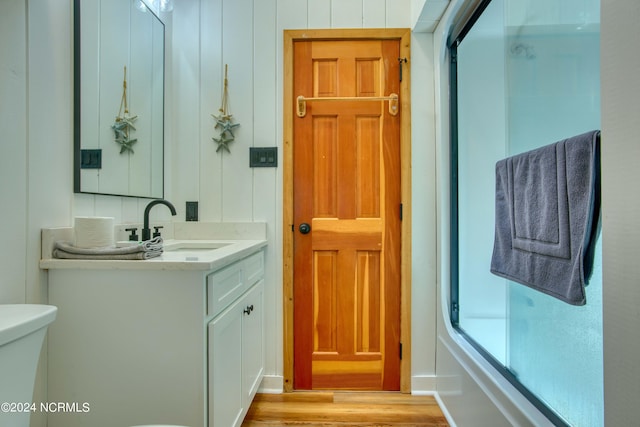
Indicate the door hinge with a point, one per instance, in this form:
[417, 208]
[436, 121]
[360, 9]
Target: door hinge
[401, 211]
[400, 351]
[401, 61]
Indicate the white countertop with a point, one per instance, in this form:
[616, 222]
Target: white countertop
[241, 239]
[213, 259]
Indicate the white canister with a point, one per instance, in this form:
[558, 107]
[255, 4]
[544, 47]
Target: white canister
[93, 232]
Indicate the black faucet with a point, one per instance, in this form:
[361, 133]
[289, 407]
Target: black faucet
[146, 232]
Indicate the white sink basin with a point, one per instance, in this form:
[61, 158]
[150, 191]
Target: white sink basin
[194, 246]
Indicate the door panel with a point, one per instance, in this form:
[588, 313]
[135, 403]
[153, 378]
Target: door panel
[347, 187]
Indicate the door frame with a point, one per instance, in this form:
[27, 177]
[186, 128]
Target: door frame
[403, 35]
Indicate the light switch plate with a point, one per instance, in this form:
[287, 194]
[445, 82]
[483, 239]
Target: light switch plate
[263, 157]
[91, 159]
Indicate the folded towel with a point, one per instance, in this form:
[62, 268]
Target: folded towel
[59, 253]
[145, 250]
[152, 244]
[547, 207]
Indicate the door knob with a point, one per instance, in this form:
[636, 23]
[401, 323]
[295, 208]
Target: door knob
[304, 228]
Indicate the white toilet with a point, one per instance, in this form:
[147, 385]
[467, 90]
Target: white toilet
[22, 331]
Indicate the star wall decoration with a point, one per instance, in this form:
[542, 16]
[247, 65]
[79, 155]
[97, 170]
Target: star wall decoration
[122, 128]
[124, 122]
[224, 121]
[226, 126]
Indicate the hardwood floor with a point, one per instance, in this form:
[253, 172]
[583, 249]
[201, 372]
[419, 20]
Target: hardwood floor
[328, 409]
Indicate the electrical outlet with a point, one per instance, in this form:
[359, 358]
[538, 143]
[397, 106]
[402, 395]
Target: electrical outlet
[192, 211]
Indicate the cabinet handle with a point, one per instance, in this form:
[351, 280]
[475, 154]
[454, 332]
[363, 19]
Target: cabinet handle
[248, 310]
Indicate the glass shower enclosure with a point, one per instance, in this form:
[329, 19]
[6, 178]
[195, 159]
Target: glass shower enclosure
[527, 75]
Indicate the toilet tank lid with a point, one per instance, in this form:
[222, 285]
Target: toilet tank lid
[19, 320]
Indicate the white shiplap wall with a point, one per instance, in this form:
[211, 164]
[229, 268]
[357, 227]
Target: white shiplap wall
[36, 143]
[13, 161]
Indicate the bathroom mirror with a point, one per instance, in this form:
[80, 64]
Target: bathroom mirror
[118, 85]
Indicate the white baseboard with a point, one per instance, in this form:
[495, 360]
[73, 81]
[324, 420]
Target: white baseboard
[272, 384]
[445, 411]
[423, 385]
[420, 384]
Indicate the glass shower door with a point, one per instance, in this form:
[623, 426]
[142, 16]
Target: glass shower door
[553, 87]
[527, 76]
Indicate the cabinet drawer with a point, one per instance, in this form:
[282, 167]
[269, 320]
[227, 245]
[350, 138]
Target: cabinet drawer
[223, 287]
[254, 268]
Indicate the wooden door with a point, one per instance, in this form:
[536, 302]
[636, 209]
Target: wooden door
[346, 179]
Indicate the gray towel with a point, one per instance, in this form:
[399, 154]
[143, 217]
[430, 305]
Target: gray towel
[547, 207]
[145, 250]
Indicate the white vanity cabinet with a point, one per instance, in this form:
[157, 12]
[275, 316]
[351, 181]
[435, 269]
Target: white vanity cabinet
[236, 341]
[236, 353]
[165, 345]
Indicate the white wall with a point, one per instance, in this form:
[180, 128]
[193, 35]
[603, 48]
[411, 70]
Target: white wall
[36, 142]
[425, 14]
[35, 123]
[621, 211]
[423, 180]
[13, 162]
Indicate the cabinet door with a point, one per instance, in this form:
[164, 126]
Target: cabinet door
[252, 342]
[226, 406]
